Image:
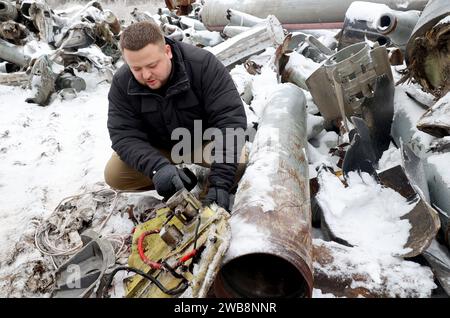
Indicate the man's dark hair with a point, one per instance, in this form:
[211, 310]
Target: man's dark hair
[139, 35]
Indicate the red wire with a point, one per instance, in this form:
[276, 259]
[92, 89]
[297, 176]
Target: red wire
[156, 265]
[144, 258]
[187, 257]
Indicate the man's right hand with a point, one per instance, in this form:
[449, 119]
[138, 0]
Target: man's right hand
[219, 196]
[168, 180]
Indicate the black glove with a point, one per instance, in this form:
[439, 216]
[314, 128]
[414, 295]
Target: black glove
[168, 180]
[218, 195]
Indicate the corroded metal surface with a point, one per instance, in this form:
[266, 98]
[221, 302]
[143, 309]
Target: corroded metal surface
[427, 54]
[339, 272]
[270, 254]
[436, 120]
[183, 7]
[423, 218]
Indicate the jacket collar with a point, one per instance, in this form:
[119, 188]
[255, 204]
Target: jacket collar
[178, 80]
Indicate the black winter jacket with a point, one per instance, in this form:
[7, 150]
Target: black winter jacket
[199, 88]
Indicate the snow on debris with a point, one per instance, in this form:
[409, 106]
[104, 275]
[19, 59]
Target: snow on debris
[441, 162]
[242, 228]
[359, 213]
[391, 157]
[439, 114]
[388, 276]
[317, 293]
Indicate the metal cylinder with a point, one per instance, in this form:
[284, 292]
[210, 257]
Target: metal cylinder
[398, 26]
[293, 14]
[67, 80]
[13, 53]
[8, 11]
[270, 253]
[238, 18]
[232, 30]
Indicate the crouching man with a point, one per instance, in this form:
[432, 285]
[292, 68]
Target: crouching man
[166, 85]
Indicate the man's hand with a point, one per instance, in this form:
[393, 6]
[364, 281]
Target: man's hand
[168, 180]
[218, 195]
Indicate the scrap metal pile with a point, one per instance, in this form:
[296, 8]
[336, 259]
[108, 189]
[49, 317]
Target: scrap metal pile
[42, 49]
[325, 107]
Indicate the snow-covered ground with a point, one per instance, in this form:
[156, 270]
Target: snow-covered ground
[47, 153]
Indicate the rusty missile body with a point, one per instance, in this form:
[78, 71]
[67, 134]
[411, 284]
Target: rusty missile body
[270, 253]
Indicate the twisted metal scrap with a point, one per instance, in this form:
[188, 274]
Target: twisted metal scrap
[43, 81]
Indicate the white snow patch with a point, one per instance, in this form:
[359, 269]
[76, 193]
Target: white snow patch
[406, 115]
[317, 293]
[311, 107]
[391, 157]
[326, 140]
[439, 114]
[302, 64]
[359, 213]
[316, 159]
[263, 161]
[441, 162]
[444, 20]
[256, 239]
[243, 82]
[36, 49]
[263, 86]
[250, 114]
[315, 124]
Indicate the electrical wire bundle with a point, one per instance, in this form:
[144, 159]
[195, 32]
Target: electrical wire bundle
[49, 236]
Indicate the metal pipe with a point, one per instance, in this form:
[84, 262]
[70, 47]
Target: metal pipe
[270, 253]
[13, 53]
[398, 26]
[187, 22]
[253, 41]
[238, 18]
[288, 12]
[14, 79]
[8, 11]
[231, 30]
